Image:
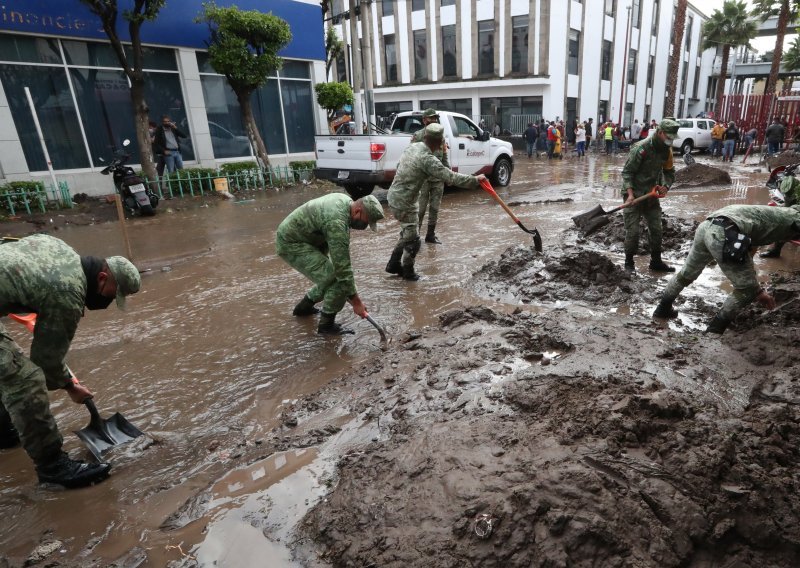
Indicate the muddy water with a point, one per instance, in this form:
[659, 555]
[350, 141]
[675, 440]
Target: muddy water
[208, 355]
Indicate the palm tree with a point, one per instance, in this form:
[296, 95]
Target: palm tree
[791, 59]
[730, 27]
[786, 10]
[675, 60]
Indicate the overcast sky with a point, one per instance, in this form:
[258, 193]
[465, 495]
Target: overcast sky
[762, 44]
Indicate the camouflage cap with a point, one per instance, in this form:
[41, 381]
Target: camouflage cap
[434, 131]
[669, 126]
[127, 277]
[429, 112]
[374, 210]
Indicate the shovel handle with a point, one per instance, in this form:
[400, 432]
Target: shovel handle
[377, 326]
[95, 421]
[487, 187]
[648, 195]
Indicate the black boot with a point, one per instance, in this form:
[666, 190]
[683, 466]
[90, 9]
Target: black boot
[630, 266]
[394, 266]
[430, 237]
[72, 473]
[328, 326]
[409, 273]
[774, 252]
[659, 265]
[665, 310]
[305, 308]
[718, 325]
[9, 437]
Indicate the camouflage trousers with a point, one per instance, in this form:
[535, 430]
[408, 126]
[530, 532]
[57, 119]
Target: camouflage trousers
[652, 215]
[409, 241]
[430, 198]
[707, 246]
[316, 265]
[24, 399]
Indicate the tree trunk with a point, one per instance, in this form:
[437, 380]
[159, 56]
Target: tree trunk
[723, 74]
[783, 22]
[142, 119]
[675, 59]
[252, 129]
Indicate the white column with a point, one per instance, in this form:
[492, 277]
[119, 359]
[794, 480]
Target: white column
[195, 108]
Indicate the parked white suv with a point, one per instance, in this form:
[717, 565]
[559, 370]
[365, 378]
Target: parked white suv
[693, 134]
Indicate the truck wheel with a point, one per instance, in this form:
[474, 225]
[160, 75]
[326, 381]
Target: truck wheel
[686, 147]
[501, 176]
[359, 191]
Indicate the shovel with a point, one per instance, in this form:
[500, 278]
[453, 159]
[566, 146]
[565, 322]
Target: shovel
[381, 331]
[101, 434]
[595, 218]
[537, 238]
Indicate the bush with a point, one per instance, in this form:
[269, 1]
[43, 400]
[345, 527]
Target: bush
[198, 180]
[236, 167]
[32, 192]
[302, 169]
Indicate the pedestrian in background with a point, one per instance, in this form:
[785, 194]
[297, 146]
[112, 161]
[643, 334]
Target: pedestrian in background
[531, 135]
[589, 131]
[775, 134]
[636, 130]
[608, 136]
[580, 140]
[729, 145]
[167, 143]
[717, 136]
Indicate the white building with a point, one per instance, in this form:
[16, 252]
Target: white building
[510, 60]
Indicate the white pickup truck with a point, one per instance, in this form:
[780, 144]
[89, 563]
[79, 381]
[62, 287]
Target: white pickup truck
[359, 162]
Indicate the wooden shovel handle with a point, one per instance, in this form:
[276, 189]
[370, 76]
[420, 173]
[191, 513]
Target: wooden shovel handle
[648, 195]
[487, 187]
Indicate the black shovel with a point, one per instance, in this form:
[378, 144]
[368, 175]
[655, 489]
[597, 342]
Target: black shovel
[104, 433]
[597, 217]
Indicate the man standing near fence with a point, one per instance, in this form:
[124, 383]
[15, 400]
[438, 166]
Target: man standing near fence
[430, 195]
[167, 144]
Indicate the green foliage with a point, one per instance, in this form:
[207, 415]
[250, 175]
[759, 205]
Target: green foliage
[768, 8]
[191, 179]
[333, 96]
[303, 164]
[729, 27]
[791, 59]
[235, 167]
[244, 44]
[334, 47]
[18, 193]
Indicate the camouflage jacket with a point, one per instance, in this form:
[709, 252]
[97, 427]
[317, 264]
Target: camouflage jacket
[417, 166]
[441, 153]
[324, 222]
[790, 188]
[43, 275]
[762, 223]
[649, 164]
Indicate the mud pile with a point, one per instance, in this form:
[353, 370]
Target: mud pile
[678, 235]
[784, 159]
[548, 440]
[700, 175]
[572, 274]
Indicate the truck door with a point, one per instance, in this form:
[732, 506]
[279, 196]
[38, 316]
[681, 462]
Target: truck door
[468, 153]
[703, 134]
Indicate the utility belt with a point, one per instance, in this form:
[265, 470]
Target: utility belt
[737, 245]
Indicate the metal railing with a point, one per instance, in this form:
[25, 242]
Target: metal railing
[187, 182]
[23, 198]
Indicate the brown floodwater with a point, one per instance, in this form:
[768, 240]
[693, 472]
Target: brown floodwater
[208, 355]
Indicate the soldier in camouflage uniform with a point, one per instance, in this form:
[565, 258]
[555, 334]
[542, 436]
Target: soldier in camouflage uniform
[430, 196]
[315, 240]
[790, 188]
[43, 275]
[649, 165]
[418, 166]
[764, 225]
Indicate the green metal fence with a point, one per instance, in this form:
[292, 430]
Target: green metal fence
[32, 196]
[199, 182]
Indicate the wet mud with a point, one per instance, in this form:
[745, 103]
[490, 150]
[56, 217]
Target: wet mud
[700, 175]
[677, 235]
[785, 158]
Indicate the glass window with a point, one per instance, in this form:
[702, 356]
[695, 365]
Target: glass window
[688, 40]
[420, 55]
[463, 106]
[610, 7]
[28, 49]
[519, 44]
[486, 46]
[341, 68]
[632, 54]
[656, 15]
[417, 5]
[162, 91]
[267, 111]
[602, 113]
[53, 102]
[228, 136]
[449, 60]
[391, 58]
[408, 124]
[574, 50]
[511, 113]
[650, 71]
[388, 7]
[295, 70]
[605, 62]
[448, 3]
[636, 16]
[463, 127]
[204, 62]
[94, 54]
[298, 112]
[696, 82]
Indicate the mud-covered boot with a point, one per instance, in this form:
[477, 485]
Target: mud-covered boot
[72, 473]
[630, 266]
[328, 326]
[718, 325]
[394, 266]
[774, 252]
[665, 310]
[305, 307]
[409, 273]
[430, 237]
[659, 265]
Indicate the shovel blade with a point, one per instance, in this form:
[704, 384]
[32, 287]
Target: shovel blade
[584, 218]
[103, 434]
[594, 224]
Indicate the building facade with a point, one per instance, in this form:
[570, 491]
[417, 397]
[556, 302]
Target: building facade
[507, 61]
[58, 50]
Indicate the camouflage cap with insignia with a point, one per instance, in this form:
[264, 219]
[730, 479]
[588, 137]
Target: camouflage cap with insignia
[434, 131]
[374, 210]
[429, 112]
[126, 276]
[669, 126]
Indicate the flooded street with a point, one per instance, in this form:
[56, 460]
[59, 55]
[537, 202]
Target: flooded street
[208, 358]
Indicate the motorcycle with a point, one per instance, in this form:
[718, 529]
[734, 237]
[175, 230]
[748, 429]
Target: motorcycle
[135, 195]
